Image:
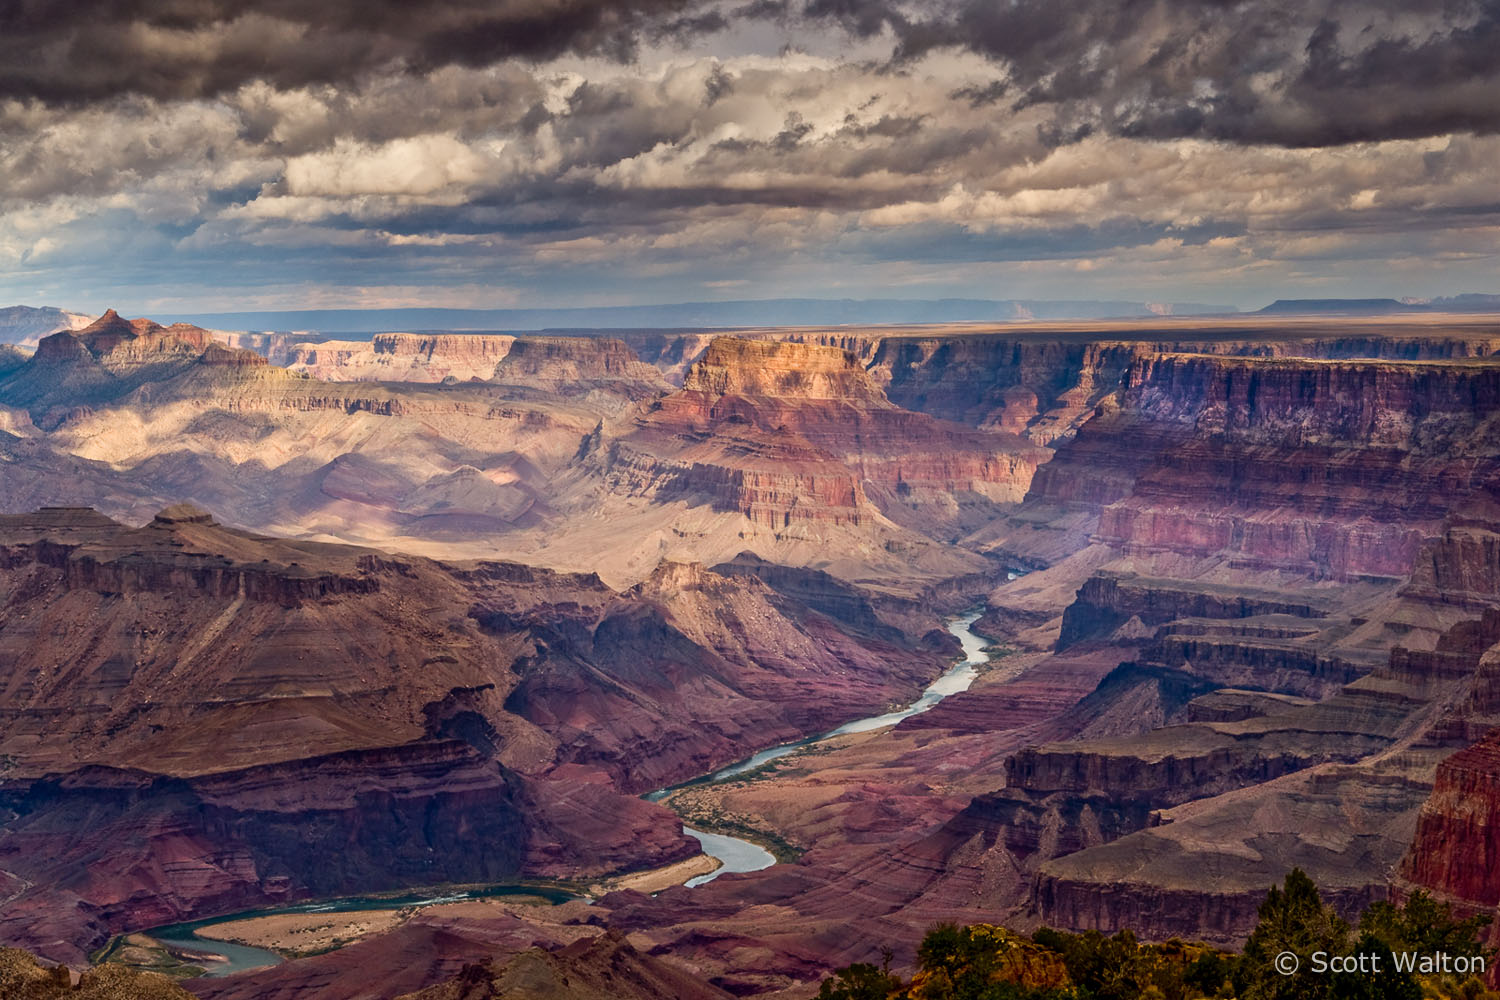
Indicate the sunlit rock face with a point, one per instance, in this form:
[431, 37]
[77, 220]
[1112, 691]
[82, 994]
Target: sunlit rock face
[788, 432]
[397, 357]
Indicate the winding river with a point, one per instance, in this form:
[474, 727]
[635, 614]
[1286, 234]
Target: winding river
[733, 854]
[239, 957]
[736, 855]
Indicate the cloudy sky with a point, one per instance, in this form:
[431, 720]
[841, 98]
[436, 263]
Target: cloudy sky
[239, 154]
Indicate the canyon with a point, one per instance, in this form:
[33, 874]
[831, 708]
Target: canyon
[444, 606]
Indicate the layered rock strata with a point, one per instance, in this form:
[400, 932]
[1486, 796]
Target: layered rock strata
[201, 718]
[399, 357]
[785, 432]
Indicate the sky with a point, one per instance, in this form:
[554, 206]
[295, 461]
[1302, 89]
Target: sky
[163, 155]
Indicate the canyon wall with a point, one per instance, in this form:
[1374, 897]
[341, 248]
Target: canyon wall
[399, 357]
[580, 366]
[203, 720]
[759, 423]
[1338, 470]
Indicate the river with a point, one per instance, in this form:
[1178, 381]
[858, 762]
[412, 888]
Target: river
[733, 854]
[736, 855]
[239, 957]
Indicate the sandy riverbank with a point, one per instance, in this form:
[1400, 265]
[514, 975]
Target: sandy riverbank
[658, 879]
[306, 933]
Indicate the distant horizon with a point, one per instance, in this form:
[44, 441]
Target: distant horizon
[771, 312]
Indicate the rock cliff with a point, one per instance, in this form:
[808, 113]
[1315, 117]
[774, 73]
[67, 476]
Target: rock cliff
[108, 359]
[757, 368]
[1456, 850]
[398, 357]
[579, 365]
[28, 324]
[207, 720]
[760, 423]
[1331, 469]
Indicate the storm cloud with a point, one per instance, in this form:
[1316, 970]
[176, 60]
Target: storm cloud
[1295, 74]
[487, 153]
[71, 51]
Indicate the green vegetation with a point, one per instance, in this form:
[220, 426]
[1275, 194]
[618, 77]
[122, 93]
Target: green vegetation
[145, 954]
[710, 817]
[982, 962]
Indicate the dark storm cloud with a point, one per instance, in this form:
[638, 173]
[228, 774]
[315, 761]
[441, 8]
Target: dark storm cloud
[1257, 71]
[472, 144]
[1253, 71]
[76, 51]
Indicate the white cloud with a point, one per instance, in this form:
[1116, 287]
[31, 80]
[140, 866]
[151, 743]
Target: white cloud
[703, 168]
[417, 166]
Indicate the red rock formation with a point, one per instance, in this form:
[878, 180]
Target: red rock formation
[1463, 568]
[216, 356]
[397, 357]
[760, 423]
[1298, 402]
[773, 483]
[676, 667]
[601, 968]
[156, 850]
[1419, 702]
[1456, 851]
[756, 368]
[1109, 599]
[579, 364]
[1331, 469]
[671, 352]
[1044, 383]
[110, 358]
[207, 720]
[1040, 388]
[433, 946]
[121, 340]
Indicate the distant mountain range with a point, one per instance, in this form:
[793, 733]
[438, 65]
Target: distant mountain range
[25, 325]
[690, 315]
[1469, 302]
[28, 324]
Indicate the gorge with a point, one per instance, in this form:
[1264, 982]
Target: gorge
[448, 608]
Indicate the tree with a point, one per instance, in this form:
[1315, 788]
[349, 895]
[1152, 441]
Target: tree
[1381, 980]
[965, 963]
[1423, 925]
[860, 981]
[1209, 973]
[1105, 968]
[1292, 919]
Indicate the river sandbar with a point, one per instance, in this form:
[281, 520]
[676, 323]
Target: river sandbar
[658, 879]
[305, 933]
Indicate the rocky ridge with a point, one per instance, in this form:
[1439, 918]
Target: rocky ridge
[1383, 496]
[239, 709]
[602, 968]
[396, 357]
[25, 325]
[785, 432]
